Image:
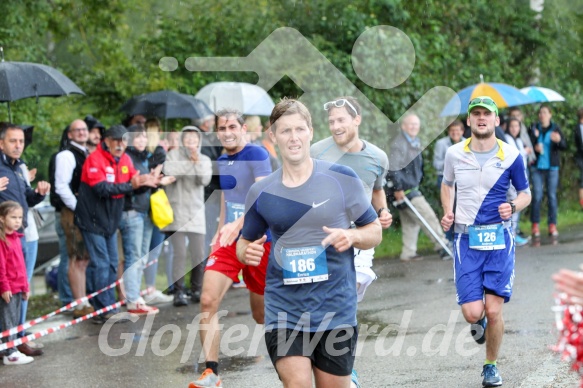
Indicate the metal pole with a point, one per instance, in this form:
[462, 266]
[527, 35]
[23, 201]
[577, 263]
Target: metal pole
[9, 113]
[424, 222]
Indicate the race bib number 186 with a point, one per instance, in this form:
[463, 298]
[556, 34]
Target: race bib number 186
[304, 265]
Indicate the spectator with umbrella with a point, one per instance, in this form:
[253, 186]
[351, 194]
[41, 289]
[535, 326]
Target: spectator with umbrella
[96, 129]
[193, 172]
[67, 177]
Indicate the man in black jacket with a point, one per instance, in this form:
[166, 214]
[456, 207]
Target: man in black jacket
[14, 187]
[406, 164]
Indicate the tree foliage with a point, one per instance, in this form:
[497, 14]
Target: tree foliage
[111, 49]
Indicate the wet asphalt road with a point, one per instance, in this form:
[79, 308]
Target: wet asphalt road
[411, 335]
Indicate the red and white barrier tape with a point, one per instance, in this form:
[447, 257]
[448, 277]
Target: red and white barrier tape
[54, 329]
[35, 321]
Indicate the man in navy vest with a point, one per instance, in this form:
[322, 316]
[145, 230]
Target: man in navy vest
[68, 167]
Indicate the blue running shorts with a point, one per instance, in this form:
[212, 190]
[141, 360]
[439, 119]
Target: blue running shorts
[476, 271]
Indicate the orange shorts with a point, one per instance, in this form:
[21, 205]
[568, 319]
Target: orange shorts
[224, 260]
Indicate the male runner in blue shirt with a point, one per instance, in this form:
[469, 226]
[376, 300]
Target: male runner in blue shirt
[310, 289]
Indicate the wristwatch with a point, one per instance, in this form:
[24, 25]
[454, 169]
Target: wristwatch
[512, 206]
[381, 210]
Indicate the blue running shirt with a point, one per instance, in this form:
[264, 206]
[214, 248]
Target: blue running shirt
[333, 196]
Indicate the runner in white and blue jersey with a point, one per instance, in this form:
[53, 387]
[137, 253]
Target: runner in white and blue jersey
[310, 291]
[483, 168]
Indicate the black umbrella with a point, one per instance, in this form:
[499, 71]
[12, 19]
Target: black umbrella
[20, 80]
[166, 104]
[27, 134]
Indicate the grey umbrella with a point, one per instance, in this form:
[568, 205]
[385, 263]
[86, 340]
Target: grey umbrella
[20, 80]
[249, 99]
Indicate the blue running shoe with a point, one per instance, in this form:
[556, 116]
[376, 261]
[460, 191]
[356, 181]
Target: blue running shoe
[491, 376]
[354, 378]
[520, 241]
[478, 330]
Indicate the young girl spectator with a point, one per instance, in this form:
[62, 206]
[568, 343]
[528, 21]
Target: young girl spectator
[13, 280]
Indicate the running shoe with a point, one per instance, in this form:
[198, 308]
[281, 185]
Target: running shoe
[491, 376]
[207, 380]
[520, 241]
[478, 330]
[354, 379]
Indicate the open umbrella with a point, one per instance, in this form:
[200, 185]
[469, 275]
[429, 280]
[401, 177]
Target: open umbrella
[538, 94]
[504, 95]
[166, 104]
[20, 80]
[248, 98]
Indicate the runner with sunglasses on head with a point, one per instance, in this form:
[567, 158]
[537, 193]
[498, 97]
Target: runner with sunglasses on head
[483, 168]
[370, 164]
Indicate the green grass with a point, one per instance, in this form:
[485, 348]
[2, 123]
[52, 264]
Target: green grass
[570, 215]
[41, 304]
[391, 245]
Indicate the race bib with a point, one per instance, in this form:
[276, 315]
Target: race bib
[487, 237]
[234, 211]
[304, 265]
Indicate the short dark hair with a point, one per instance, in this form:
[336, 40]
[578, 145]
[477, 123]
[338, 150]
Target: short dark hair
[229, 112]
[289, 106]
[5, 126]
[514, 109]
[456, 123]
[133, 131]
[543, 106]
[580, 113]
[510, 121]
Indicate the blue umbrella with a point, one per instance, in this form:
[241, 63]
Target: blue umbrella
[538, 94]
[504, 95]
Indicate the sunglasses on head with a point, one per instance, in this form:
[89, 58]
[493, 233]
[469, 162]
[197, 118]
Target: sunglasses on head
[339, 104]
[486, 101]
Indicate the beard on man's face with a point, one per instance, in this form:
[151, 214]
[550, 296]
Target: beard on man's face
[482, 135]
